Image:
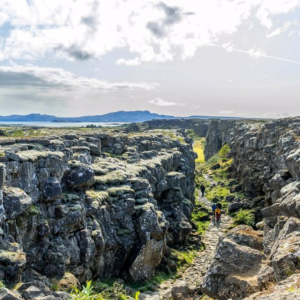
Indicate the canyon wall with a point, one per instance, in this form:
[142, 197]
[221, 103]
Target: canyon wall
[266, 160]
[93, 205]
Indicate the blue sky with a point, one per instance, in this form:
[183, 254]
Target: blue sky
[87, 57]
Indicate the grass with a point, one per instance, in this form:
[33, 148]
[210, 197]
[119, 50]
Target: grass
[244, 216]
[22, 133]
[182, 259]
[200, 218]
[198, 147]
[101, 290]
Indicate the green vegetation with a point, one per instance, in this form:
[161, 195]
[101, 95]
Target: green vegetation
[33, 210]
[244, 216]
[200, 218]
[199, 146]
[2, 285]
[22, 132]
[217, 188]
[105, 290]
[182, 260]
[224, 151]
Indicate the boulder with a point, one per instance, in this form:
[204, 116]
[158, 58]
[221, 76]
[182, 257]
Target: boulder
[15, 201]
[6, 294]
[233, 272]
[180, 290]
[80, 176]
[148, 258]
[52, 189]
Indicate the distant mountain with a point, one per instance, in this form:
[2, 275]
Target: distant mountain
[119, 116]
[28, 118]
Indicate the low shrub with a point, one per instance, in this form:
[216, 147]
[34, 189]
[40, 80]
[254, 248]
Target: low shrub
[244, 216]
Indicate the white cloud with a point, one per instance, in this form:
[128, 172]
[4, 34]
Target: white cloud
[279, 30]
[276, 115]
[226, 112]
[154, 30]
[161, 102]
[33, 76]
[131, 62]
[255, 52]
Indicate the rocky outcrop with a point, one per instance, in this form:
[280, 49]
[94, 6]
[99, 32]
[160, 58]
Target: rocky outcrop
[93, 205]
[266, 162]
[200, 127]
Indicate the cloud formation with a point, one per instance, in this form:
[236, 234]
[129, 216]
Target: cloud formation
[161, 102]
[33, 76]
[153, 30]
[226, 112]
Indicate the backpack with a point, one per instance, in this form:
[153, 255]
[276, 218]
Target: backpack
[218, 211]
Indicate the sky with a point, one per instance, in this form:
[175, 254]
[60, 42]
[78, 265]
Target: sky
[89, 57]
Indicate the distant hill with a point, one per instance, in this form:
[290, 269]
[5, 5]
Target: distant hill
[119, 116]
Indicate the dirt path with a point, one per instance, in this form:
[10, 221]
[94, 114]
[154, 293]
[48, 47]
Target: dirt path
[192, 277]
[196, 271]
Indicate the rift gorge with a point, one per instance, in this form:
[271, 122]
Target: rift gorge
[117, 213]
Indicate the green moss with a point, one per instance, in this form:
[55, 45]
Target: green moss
[2, 285]
[119, 191]
[224, 151]
[244, 216]
[98, 195]
[33, 210]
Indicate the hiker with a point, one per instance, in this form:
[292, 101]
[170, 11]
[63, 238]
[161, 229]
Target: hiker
[202, 189]
[219, 205]
[218, 213]
[214, 207]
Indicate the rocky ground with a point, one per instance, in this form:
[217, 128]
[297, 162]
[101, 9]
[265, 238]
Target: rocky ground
[189, 286]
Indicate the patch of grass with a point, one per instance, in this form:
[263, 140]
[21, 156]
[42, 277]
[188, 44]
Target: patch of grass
[159, 277]
[101, 290]
[198, 148]
[182, 260]
[33, 210]
[2, 285]
[200, 218]
[224, 151]
[244, 216]
[110, 289]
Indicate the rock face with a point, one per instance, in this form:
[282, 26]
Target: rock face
[92, 205]
[199, 126]
[266, 161]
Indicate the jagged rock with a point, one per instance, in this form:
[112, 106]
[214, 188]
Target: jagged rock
[32, 292]
[235, 206]
[103, 225]
[15, 202]
[233, 272]
[52, 189]
[38, 285]
[80, 175]
[149, 257]
[180, 290]
[6, 294]
[286, 290]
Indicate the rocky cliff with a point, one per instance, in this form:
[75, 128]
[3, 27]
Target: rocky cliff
[92, 205]
[200, 127]
[264, 263]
